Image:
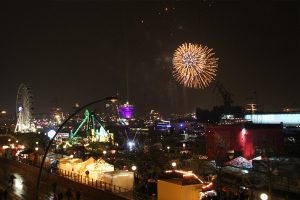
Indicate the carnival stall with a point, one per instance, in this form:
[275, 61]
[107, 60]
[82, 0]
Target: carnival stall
[68, 164]
[91, 168]
[240, 162]
[98, 168]
[123, 179]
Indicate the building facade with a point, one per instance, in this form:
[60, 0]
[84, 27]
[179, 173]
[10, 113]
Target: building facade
[247, 140]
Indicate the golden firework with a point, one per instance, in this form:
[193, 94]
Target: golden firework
[194, 65]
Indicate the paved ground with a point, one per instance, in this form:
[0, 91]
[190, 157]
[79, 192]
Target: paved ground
[25, 183]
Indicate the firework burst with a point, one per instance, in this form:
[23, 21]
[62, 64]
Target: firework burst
[194, 65]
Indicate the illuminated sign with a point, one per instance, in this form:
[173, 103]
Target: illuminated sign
[63, 135]
[287, 118]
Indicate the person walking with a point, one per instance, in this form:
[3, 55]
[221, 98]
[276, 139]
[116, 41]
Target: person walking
[69, 194]
[60, 196]
[54, 186]
[11, 180]
[78, 195]
[1, 193]
[5, 193]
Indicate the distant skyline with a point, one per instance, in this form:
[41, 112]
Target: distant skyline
[72, 52]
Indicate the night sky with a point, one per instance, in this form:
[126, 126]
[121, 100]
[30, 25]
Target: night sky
[70, 51]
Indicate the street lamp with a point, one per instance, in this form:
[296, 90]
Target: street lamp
[58, 130]
[133, 168]
[173, 164]
[104, 152]
[263, 196]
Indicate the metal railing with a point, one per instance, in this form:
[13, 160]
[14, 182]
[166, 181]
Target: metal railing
[98, 184]
[101, 185]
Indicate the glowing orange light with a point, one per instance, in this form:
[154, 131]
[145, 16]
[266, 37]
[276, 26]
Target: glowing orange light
[185, 174]
[207, 186]
[194, 65]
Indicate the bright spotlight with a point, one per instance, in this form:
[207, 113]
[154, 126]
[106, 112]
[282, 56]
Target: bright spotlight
[133, 168]
[130, 144]
[51, 133]
[174, 164]
[264, 196]
[243, 131]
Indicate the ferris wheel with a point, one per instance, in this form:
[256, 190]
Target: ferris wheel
[24, 110]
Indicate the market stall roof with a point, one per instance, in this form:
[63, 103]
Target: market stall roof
[88, 161]
[70, 160]
[181, 177]
[240, 162]
[101, 165]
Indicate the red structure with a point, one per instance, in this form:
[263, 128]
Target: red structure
[249, 140]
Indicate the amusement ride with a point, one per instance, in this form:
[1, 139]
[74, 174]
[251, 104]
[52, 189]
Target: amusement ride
[24, 110]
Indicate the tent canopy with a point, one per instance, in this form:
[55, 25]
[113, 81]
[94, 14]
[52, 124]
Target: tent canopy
[240, 162]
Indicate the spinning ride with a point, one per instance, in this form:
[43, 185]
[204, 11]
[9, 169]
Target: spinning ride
[24, 110]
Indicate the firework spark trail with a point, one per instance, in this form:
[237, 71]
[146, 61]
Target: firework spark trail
[194, 65]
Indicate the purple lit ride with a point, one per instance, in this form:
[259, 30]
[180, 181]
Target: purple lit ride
[126, 110]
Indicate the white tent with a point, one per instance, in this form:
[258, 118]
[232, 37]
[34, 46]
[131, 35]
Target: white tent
[123, 179]
[68, 164]
[97, 168]
[240, 162]
[80, 168]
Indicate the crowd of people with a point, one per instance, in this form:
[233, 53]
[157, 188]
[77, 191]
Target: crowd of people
[4, 192]
[68, 193]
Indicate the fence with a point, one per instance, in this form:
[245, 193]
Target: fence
[91, 182]
[101, 185]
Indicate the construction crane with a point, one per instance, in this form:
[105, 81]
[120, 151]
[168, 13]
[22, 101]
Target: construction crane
[227, 100]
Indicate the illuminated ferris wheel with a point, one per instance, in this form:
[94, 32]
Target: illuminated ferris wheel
[24, 110]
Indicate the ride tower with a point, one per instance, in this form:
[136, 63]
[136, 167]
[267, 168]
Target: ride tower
[93, 129]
